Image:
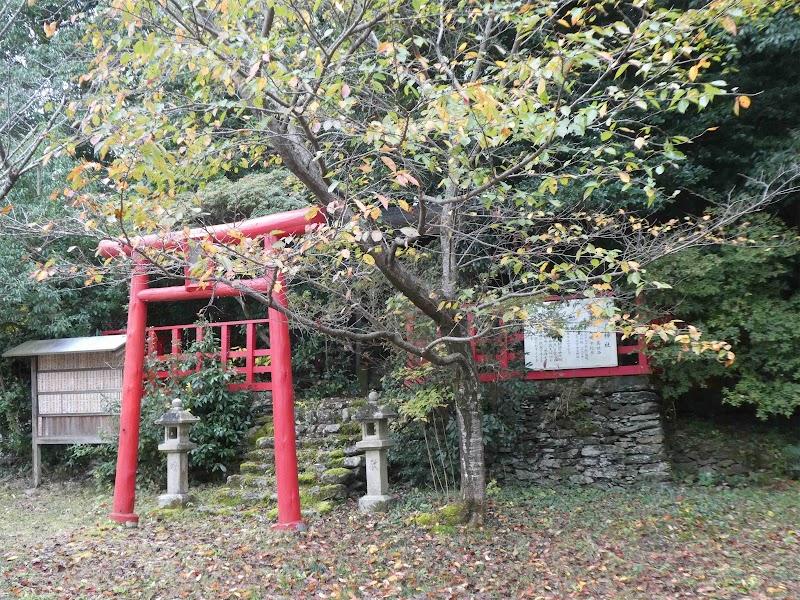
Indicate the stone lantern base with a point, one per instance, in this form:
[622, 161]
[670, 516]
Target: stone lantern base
[373, 504]
[174, 500]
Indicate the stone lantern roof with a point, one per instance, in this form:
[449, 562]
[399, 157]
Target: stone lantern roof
[176, 415]
[373, 411]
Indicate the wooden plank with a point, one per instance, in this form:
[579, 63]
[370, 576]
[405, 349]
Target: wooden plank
[79, 402]
[75, 427]
[53, 362]
[79, 381]
[89, 439]
[37, 458]
[92, 369]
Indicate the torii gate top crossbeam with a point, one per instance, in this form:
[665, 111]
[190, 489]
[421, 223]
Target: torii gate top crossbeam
[279, 225]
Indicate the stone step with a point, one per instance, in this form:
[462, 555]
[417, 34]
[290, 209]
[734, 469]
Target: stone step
[245, 497]
[263, 455]
[251, 481]
[257, 468]
[331, 467]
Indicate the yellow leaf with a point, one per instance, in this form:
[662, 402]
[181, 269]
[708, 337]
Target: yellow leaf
[744, 101]
[625, 177]
[729, 25]
[693, 72]
[389, 163]
[50, 29]
[369, 259]
[404, 205]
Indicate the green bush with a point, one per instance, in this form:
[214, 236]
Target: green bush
[747, 295]
[790, 461]
[15, 419]
[322, 367]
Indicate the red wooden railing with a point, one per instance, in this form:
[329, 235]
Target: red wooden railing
[507, 361]
[241, 348]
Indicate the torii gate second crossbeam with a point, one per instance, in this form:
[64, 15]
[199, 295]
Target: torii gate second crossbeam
[274, 226]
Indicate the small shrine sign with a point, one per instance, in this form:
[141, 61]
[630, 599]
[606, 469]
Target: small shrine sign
[584, 342]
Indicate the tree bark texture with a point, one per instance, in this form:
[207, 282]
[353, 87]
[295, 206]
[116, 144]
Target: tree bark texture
[469, 415]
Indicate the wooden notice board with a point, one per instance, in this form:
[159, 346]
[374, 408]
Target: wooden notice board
[76, 387]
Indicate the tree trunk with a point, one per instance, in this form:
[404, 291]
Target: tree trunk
[469, 415]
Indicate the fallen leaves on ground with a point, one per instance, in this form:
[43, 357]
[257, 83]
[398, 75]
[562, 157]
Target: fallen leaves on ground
[538, 543]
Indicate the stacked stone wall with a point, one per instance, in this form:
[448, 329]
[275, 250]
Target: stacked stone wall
[602, 432]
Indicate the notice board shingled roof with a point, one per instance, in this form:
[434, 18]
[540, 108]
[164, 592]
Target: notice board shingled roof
[80, 345]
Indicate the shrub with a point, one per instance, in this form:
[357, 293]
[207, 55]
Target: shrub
[746, 295]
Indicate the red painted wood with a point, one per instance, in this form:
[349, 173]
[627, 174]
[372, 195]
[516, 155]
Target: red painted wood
[276, 226]
[280, 225]
[220, 290]
[130, 414]
[251, 353]
[283, 416]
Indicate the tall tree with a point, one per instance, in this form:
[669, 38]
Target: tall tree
[40, 53]
[436, 136]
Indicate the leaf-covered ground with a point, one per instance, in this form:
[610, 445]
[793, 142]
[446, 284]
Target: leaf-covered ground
[56, 542]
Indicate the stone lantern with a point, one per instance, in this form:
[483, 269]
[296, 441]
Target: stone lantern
[176, 422]
[375, 433]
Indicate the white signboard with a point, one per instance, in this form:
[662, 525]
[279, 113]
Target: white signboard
[585, 342]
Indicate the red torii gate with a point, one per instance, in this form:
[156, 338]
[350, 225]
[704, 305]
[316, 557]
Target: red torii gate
[273, 226]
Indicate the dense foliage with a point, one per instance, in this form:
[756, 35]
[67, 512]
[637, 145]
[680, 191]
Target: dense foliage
[746, 295]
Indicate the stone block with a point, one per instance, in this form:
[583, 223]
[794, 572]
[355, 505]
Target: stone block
[631, 410]
[353, 451]
[645, 417]
[352, 462]
[581, 479]
[607, 472]
[591, 451]
[656, 438]
[337, 476]
[641, 459]
[373, 504]
[634, 427]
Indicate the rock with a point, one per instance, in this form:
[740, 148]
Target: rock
[339, 476]
[353, 451]
[354, 461]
